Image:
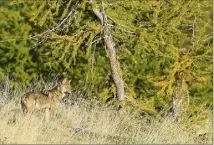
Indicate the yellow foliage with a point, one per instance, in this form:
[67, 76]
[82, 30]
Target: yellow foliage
[160, 83]
[154, 3]
[202, 79]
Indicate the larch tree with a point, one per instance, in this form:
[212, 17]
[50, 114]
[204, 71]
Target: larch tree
[153, 53]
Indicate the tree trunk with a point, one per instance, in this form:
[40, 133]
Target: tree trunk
[114, 64]
[180, 97]
[111, 53]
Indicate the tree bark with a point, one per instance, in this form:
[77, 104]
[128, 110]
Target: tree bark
[111, 53]
[180, 96]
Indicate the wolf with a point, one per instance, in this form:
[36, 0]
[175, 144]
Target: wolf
[48, 100]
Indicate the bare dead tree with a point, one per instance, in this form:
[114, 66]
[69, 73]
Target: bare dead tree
[180, 95]
[111, 53]
[177, 98]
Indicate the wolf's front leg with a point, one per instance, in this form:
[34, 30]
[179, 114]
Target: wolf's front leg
[47, 114]
[53, 112]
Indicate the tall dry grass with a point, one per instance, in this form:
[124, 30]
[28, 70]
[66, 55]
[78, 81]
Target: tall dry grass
[86, 122]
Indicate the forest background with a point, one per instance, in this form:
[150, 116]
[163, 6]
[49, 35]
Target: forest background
[163, 49]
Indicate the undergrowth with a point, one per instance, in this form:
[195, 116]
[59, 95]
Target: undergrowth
[89, 121]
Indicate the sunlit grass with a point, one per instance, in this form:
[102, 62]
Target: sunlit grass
[88, 122]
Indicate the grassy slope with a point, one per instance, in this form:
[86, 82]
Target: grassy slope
[87, 122]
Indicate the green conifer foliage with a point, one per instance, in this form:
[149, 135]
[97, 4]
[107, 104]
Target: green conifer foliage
[164, 47]
[15, 60]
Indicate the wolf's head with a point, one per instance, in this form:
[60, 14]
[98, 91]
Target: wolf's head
[64, 86]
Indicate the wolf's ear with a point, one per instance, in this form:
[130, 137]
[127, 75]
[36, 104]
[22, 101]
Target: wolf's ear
[64, 81]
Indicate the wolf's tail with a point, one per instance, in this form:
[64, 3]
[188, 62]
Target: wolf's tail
[23, 105]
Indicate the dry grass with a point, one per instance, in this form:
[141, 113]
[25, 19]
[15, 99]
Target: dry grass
[88, 122]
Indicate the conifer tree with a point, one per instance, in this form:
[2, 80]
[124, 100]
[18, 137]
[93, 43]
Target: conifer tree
[162, 48]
